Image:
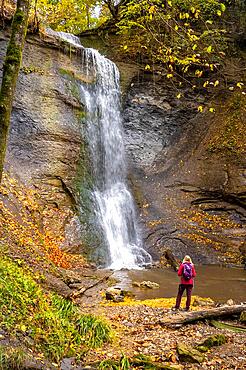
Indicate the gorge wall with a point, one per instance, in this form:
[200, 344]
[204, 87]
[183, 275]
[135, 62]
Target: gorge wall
[186, 170]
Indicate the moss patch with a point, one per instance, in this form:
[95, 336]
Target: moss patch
[231, 136]
[213, 341]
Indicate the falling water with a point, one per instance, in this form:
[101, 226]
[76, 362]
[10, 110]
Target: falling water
[114, 203]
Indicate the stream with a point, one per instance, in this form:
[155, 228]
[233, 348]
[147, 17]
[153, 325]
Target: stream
[216, 282]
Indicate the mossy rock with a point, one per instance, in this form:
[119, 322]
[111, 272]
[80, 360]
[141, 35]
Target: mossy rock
[243, 316]
[189, 354]
[144, 362]
[213, 341]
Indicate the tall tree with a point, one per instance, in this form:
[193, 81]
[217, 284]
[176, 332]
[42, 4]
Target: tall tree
[11, 68]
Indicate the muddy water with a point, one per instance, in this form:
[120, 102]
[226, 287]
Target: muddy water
[218, 283]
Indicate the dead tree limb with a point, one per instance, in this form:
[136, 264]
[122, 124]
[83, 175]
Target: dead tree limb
[183, 318]
[82, 290]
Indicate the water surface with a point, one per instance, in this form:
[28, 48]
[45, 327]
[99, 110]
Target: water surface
[216, 282]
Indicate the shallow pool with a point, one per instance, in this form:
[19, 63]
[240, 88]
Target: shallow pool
[216, 282]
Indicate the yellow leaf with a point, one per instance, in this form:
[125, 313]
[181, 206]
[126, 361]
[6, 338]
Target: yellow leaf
[23, 328]
[212, 110]
[205, 84]
[170, 3]
[198, 73]
[209, 49]
[152, 9]
[197, 14]
[194, 47]
[240, 85]
[216, 83]
[169, 75]
[125, 47]
[219, 13]
[223, 7]
[200, 108]
[231, 88]
[176, 27]
[178, 96]
[147, 66]
[192, 9]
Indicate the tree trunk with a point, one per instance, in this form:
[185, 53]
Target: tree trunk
[10, 72]
[186, 318]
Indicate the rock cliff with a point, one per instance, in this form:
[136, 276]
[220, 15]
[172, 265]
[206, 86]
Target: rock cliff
[186, 170]
[46, 148]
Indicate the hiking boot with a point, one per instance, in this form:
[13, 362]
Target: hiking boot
[187, 309]
[175, 308]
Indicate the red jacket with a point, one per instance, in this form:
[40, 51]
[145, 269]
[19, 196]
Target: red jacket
[180, 273]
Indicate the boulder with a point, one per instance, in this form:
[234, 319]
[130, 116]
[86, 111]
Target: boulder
[212, 341]
[149, 284]
[189, 354]
[243, 316]
[114, 294]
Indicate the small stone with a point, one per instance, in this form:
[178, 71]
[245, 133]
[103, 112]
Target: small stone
[230, 302]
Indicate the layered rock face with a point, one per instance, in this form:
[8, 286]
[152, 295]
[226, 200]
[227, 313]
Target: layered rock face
[46, 148]
[188, 171]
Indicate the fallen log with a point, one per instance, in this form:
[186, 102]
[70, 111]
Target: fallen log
[82, 290]
[182, 318]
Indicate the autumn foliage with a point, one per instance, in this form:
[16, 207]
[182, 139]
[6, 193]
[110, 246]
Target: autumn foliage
[25, 226]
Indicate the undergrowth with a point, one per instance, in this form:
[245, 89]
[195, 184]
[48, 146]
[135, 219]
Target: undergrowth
[12, 358]
[51, 323]
[125, 363]
[122, 364]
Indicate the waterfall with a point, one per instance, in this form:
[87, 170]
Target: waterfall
[114, 204]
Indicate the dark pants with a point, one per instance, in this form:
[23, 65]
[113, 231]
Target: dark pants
[182, 288]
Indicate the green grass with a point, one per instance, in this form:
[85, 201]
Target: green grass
[55, 324]
[122, 364]
[12, 358]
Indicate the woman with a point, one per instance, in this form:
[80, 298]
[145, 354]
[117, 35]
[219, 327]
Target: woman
[187, 272]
